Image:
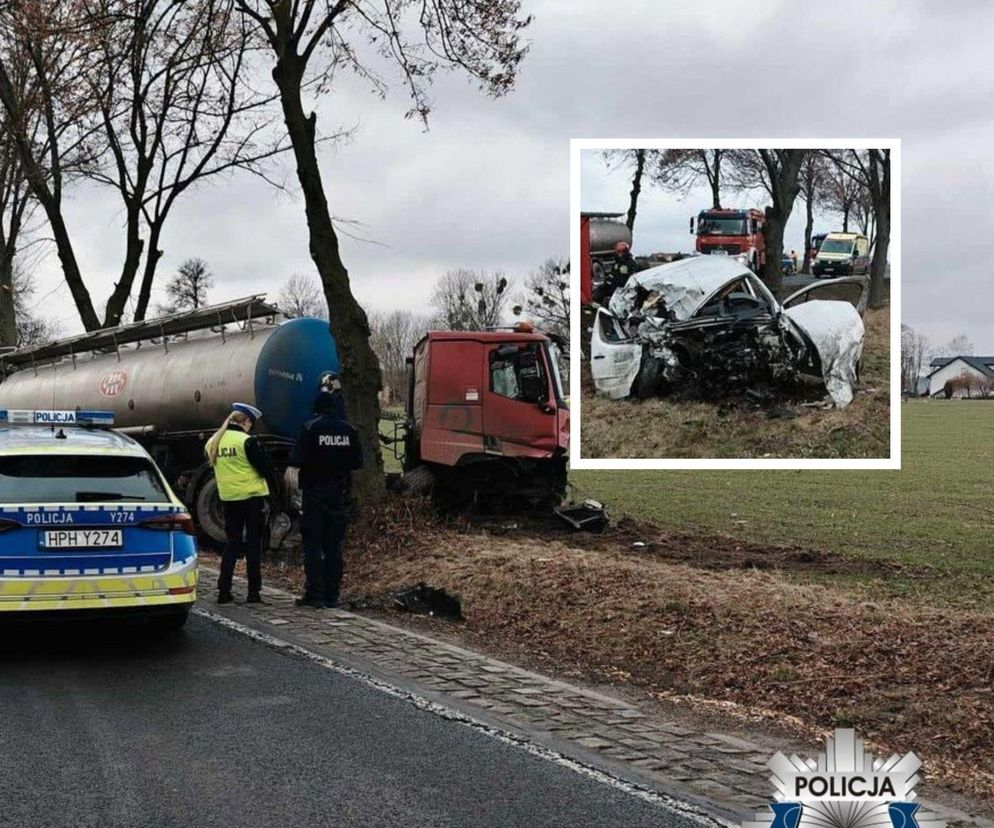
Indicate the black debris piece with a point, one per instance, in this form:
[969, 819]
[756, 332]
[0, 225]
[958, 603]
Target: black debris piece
[425, 600]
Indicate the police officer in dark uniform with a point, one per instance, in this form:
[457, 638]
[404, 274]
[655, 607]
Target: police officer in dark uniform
[326, 453]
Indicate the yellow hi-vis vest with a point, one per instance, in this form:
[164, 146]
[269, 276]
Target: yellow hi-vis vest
[236, 477]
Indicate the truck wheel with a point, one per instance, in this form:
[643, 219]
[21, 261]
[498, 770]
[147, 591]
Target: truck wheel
[208, 511]
[649, 378]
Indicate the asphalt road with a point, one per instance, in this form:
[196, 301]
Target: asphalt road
[106, 728]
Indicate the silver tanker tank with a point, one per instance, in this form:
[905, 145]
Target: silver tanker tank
[189, 384]
[606, 233]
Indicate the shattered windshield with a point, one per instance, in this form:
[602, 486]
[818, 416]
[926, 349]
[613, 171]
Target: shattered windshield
[837, 246]
[710, 226]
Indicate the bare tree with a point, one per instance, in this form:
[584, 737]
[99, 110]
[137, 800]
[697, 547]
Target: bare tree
[177, 105]
[914, 352]
[31, 328]
[13, 208]
[842, 192]
[469, 300]
[301, 296]
[479, 37]
[394, 336]
[959, 345]
[546, 298]
[813, 183]
[636, 160]
[985, 387]
[145, 96]
[872, 168]
[777, 172]
[680, 170]
[47, 117]
[189, 288]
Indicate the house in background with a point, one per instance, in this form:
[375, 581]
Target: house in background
[977, 373]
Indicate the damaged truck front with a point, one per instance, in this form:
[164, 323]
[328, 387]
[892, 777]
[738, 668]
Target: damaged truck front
[710, 324]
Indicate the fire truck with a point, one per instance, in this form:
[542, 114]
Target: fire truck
[735, 233]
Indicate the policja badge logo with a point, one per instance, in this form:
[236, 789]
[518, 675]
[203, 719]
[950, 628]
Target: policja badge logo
[845, 788]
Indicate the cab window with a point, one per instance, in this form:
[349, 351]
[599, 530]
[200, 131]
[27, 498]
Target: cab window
[519, 373]
[53, 478]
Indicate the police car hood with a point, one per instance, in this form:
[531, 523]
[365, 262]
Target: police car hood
[836, 331]
[684, 286]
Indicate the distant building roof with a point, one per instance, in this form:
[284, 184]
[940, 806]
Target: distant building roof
[981, 363]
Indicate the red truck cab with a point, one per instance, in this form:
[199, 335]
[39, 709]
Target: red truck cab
[487, 409]
[736, 233]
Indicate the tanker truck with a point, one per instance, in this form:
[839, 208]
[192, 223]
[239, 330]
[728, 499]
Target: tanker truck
[170, 383]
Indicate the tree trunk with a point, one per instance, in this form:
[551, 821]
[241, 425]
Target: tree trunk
[878, 265]
[809, 223]
[772, 273]
[845, 219]
[148, 275]
[8, 318]
[132, 258]
[70, 267]
[360, 370]
[636, 187]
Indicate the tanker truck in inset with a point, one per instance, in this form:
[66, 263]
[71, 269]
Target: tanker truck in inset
[599, 233]
[170, 383]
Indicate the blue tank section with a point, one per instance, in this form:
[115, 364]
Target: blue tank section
[288, 371]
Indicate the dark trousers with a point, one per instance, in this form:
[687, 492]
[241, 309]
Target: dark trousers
[244, 521]
[323, 522]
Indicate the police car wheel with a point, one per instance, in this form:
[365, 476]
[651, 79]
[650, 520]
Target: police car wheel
[172, 621]
[209, 512]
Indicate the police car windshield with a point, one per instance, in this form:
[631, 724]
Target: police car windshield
[60, 478]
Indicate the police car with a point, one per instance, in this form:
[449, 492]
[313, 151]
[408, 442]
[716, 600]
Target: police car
[88, 523]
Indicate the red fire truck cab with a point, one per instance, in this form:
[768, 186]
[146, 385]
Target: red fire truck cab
[487, 415]
[736, 233]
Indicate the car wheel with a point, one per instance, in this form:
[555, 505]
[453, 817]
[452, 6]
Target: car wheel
[173, 621]
[649, 378]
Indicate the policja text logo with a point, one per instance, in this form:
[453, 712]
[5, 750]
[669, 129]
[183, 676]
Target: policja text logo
[846, 788]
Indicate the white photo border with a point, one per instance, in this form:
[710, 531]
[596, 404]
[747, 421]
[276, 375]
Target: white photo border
[577, 145]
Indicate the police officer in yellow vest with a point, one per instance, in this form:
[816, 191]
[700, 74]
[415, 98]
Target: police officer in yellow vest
[243, 471]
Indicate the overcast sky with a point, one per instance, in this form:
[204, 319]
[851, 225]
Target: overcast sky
[488, 186]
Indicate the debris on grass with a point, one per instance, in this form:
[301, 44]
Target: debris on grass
[422, 599]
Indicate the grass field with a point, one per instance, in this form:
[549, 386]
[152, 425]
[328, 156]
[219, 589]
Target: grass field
[935, 513]
[663, 427]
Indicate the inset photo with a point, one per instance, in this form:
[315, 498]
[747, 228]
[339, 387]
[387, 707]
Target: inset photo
[739, 304]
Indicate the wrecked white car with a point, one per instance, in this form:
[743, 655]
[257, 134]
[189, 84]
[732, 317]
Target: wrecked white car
[709, 322]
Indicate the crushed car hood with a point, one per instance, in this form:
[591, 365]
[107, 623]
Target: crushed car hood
[836, 331]
[684, 285]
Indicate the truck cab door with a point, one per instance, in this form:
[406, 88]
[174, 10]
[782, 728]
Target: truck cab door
[614, 357]
[519, 402]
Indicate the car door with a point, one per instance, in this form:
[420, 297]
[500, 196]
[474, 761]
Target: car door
[614, 357]
[830, 290]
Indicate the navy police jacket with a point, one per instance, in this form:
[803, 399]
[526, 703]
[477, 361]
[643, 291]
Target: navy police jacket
[327, 450]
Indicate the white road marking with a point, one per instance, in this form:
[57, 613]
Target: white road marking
[683, 809]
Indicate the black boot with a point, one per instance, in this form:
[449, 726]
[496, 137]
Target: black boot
[225, 597]
[254, 598]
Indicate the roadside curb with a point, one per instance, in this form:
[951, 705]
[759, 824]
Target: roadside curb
[721, 778]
